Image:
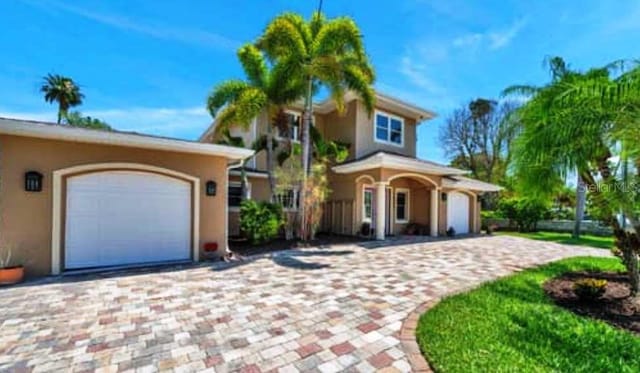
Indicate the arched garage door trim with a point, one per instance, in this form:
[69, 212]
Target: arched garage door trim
[472, 197]
[59, 175]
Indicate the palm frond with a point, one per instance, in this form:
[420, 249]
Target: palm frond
[224, 94]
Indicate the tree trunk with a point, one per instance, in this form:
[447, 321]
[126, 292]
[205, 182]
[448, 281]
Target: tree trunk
[581, 195]
[306, 152]
[270, 164]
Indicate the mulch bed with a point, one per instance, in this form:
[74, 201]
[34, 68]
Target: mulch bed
[244, 248]
[614, 307]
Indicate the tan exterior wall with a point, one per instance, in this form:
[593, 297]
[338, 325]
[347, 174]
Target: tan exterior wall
[26, 217]
[341, 127]
[365, 142]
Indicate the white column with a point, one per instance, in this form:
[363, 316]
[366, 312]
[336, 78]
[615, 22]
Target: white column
[435, 203]
[381, 210]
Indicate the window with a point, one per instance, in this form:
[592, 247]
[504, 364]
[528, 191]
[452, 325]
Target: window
[289, 199]
[294, 120]
[389, 129]
[402, 205]
[234, 194]
[368, 205]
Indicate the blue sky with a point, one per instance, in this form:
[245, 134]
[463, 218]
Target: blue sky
[148, 66]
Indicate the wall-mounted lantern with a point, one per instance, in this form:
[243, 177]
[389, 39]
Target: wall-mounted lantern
[444, 197]
[210, 188]
[33, 181]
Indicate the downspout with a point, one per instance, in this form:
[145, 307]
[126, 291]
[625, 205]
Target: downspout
[231, 166]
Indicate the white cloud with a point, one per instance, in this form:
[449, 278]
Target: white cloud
[186, 123]
[157, 31]
[416, 69]
[493, 40]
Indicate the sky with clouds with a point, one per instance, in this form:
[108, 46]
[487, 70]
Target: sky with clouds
[148, 66]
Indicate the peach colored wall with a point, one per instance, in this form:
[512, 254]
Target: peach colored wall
[365, 142]
[342, 127]
[26, 217]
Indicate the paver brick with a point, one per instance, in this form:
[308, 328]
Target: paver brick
[340, 308]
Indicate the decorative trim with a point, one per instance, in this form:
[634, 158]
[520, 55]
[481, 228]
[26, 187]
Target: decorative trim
[382, 160]
[58, 175]
[419, 176]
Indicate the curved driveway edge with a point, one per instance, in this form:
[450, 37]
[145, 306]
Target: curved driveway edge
[328, 309]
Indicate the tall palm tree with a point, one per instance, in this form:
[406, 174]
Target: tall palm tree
[587, 122]
[562, 77]
[319, 52]
[266, 88]
[64, 91]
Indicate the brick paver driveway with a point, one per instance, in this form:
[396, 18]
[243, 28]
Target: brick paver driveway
[318, 309]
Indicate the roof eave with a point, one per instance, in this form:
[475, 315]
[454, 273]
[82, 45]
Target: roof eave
[56, 132]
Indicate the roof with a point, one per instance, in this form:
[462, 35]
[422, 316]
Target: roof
[383, 101]
[45, 130]
[459, 182]
[380, 159]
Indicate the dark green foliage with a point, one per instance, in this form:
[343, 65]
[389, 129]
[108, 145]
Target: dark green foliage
[525, 212]
[260, 221]
[510, 325]
[76, 119]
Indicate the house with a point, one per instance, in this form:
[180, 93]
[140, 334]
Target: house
[382, 183]
[74, 198]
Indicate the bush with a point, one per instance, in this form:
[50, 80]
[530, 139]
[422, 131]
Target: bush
[589, 288]
[526, 212]
[491, 214]
[260, 221]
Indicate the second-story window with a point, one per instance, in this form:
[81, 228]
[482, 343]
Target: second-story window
[389, 129]
[294, 120]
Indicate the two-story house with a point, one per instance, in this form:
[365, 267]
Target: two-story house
[382, 183]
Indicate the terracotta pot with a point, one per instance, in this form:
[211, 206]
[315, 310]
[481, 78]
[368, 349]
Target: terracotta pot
[11, 275]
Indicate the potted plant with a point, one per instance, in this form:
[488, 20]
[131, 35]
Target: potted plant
[10, 273]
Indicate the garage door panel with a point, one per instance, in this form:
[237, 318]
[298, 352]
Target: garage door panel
[458, 212]
[126, 217]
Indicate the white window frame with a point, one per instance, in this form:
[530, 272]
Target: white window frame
[237, 184]
[388, 140]
[296, 200]
[297, 134]
[367, 188]
[407, 205]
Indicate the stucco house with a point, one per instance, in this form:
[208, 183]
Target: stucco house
[382, 183]
[73, 198]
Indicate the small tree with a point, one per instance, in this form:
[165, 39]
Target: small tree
[64, 91]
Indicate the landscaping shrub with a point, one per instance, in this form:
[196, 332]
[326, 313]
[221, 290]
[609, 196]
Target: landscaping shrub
[526, 212]
[589, 288]
[260, 221]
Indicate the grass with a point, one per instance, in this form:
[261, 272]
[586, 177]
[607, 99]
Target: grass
[565, 238]
[511, 326]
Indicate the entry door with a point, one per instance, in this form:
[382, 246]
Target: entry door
[126, 217]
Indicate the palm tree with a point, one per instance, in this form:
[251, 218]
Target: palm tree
[64, 91]
[319, 52]
[561, 78]
[238, 102]
[587, 122]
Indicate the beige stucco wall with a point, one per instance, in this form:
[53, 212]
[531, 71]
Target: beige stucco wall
[26, 217]
[365, 142]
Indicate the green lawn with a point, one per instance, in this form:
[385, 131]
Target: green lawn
[586, 240]
[510, 326]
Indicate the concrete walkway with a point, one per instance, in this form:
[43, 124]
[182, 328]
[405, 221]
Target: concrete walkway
[321, 309]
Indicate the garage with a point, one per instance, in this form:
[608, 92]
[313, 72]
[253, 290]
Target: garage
[458, 212]
[126, 217]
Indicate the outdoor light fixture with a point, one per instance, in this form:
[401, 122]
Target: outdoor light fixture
[444, 197]
[33, 181]
[210, 188]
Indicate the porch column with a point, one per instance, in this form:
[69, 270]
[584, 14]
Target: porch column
[381, 209]
[435, 207]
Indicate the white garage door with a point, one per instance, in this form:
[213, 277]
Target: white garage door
[126, 217]
[458, 212]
